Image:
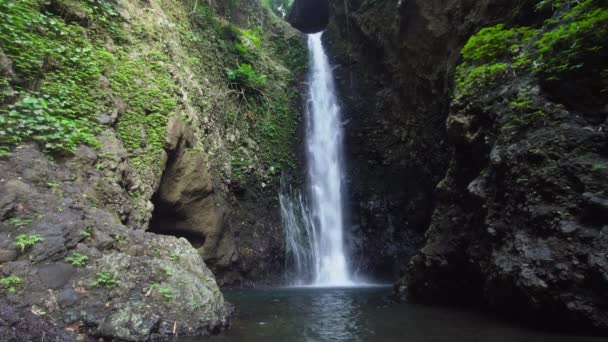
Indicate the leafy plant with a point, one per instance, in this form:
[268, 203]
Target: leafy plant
[471, 78]
[17, 222]
[86, 233]
[11, 283]
[487, 56]
[53, 184]
[253, 36]
[581, 33]
[77, 259]
[168, 271]
[121, 239]
[24, 241]
[245, 51]
[599, 166]
[572, 41]
[106, 279]
[166, 293]
[4, 152]
[245, 77]
[60, 112]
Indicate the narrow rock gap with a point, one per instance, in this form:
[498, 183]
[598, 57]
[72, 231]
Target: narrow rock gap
[172, 216]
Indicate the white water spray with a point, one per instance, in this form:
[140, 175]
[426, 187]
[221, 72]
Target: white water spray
[315, 236]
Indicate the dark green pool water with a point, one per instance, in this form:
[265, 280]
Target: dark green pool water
[362, 314]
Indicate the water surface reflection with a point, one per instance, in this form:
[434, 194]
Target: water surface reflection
[362, 314]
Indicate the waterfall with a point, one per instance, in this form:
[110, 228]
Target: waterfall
[314, 228]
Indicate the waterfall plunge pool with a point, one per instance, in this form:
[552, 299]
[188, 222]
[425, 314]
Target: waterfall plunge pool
[363, 314]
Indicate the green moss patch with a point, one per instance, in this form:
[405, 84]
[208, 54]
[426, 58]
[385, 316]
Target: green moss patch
[145, 84]
[53, 98]
[574, 41]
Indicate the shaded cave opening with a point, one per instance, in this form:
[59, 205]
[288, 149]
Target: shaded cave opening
[168, 220]
[171, 214]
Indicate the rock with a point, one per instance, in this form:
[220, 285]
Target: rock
[67, 297]
[7, 255]
[477, 187]
[597, 201]
[56, 275]
[132, 322]
[568, 227]
[106, 119]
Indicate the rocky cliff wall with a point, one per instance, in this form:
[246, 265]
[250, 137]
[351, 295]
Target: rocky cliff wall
[394, 65]
[141, 143]
[506, 204]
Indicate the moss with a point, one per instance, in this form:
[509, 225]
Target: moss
[578, 34]
[526, 113]
[57, 73]
[573, 41]
[146, 86]
[270, 115]
[472, 78]
[495, 43]
[487, 55]
[75, 60]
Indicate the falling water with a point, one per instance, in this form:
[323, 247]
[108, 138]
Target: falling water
[314, 228]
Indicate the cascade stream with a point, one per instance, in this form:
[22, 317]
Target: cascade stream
[315, 228]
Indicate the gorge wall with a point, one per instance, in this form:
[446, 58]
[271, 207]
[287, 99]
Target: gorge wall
[505, 205]
[141, 146]
[394, 65]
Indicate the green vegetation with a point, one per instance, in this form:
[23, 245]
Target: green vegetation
[569, 41]
[246, 78]
[120, 238]
[168, 271]
[278, 7]
[64, 65]
[106, 279]
[146, 85]
[11, 283]
[269, 106]
[525, 113]
[77, 259]
[86, 233]
[53, 184]
[599, 166]
[487, 56]
[74, 64]
[166, 293]
[24, 241]
[572, 41]
[18, 223]
[61, 67]
[496, 42]
[474, 78]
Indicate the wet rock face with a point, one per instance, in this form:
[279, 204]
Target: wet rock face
[521, 227]
[513, 218]
[394, 60]
[309, 16]
[241, 239]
